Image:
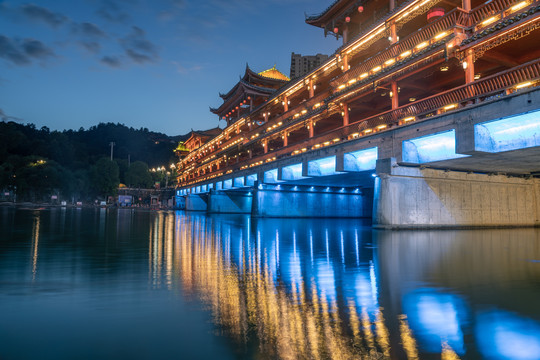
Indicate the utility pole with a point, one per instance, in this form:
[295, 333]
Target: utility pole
[112, 146]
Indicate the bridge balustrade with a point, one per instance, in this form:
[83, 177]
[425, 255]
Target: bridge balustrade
[455, 18]
[492, 8]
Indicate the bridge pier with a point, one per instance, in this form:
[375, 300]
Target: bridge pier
[197, 202]
[279, 200]
[415, 197]
[230, 202]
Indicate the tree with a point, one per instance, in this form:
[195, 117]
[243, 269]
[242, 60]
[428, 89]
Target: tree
[105, 178]
[138, 175]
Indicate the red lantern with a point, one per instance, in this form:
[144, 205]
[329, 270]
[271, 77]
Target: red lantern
[347, 19]
[435, 13]
[336, 30]
[360, 9]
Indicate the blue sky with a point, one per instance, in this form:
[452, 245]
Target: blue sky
[159, 64]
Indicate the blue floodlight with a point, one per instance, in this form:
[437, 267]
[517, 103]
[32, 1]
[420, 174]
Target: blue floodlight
[360, 160]
[436, 147]
[292, 172]
[322, 167]
[250, 179]
[512, 133]
[270, 176]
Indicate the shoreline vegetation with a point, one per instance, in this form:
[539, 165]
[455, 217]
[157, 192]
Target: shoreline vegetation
[85, 165]
[25, 205]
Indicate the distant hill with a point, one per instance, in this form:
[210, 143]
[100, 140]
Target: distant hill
[71, 153]
[73, 148]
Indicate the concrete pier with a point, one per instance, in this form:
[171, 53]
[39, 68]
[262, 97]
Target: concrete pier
[197, 202]
[414, 197]
[230, 202]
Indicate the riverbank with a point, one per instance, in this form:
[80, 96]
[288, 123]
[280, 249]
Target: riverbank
[43, 206]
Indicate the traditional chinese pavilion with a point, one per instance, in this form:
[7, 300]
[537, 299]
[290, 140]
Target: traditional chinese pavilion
[250, 92]
[199, 138]
[401, 61]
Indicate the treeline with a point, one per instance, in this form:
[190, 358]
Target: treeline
[75, 165]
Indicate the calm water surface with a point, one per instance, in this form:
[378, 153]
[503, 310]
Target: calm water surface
[123, 284]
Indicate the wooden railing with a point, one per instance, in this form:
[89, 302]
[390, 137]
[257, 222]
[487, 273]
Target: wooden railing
[492, 8]
[287, 118]
[456, 17]
[474, 92]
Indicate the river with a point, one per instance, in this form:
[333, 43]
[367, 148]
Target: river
[127, 284]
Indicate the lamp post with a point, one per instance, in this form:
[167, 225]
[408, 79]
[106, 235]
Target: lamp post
[112, 146]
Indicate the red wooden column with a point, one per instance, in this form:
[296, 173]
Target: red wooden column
[345, 115]
[468, 66]
[311, 89]
[310, 128]
[395, 98]
[285, 139]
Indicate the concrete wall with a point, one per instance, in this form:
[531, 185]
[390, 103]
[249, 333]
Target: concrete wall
[196, 202]
[229, 202]
[268, 202]
[411, 197]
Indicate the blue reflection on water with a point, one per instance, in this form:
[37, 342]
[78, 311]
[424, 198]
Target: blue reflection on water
[436, 318]
[504, 335]
[136, 274]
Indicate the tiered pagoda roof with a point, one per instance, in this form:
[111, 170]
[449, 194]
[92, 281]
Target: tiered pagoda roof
[336, 8]
[252, 85]
[200, 137]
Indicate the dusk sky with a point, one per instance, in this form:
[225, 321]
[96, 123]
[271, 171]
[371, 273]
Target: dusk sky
[159, 64]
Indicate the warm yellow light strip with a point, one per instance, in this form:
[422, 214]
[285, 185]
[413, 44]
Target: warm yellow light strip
[525, 84]
[519, 6]
[490, 20]
[451, 106]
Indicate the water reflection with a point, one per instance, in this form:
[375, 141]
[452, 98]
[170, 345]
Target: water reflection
[336, 289]
[35, 244]
[311, 289]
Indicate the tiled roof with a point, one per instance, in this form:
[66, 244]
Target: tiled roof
[274, 73]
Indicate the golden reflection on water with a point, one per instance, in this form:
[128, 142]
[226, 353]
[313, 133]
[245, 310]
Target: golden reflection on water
[407, 339]
[237, 280]
[448, 353]
[35, 244]
[289, 299]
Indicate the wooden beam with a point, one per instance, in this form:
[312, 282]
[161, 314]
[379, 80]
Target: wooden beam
[531, 55]
[500, 58]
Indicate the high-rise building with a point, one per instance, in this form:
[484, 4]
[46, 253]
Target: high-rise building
[301, 65]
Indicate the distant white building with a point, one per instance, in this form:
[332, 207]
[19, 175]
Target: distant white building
[301, 65]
